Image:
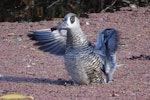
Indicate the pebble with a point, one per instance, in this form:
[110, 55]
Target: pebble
[1, 75]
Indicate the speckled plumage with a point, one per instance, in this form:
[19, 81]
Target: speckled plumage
[85, 63]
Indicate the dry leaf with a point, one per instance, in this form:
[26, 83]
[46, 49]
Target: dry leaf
[15, 96]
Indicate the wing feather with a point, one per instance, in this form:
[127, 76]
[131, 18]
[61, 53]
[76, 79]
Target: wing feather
[52, 42]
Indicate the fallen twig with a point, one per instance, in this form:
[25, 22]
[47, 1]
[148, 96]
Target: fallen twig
[104, 10]
[53, 3]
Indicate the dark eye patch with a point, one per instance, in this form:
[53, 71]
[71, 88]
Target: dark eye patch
[72, 19]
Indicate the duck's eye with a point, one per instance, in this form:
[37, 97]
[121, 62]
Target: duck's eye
[72, 19]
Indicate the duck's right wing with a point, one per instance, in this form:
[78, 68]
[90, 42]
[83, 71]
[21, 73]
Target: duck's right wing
[106, 47]
[53, 42]
[107, 42]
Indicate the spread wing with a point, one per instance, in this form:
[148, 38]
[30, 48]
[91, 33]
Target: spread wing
[53, 42]
[106, 47]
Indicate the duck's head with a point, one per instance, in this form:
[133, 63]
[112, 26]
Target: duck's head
[70, 21]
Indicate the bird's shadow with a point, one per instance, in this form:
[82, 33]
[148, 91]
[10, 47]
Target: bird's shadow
[35, 80]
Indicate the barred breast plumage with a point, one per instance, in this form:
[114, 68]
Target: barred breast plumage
[84, 66]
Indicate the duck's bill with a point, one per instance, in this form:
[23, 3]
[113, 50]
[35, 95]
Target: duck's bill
[62, 26]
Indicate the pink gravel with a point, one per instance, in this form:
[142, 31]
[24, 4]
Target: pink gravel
[28, 71]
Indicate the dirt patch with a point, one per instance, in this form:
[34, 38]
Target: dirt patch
[26, 70]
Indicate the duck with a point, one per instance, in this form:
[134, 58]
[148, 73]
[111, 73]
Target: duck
[85, 62]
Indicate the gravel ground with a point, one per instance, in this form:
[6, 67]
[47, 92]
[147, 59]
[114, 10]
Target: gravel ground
[28, 71]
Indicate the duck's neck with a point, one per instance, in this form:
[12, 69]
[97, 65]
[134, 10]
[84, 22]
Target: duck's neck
[76, 39]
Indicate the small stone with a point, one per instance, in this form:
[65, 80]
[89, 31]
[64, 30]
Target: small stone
[28, 66]
[33, 49]
[87, 23]
[1, 75]
[33, 64]
[114, 94]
